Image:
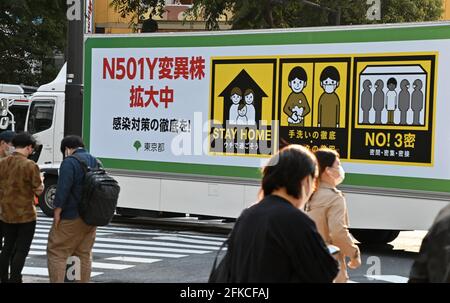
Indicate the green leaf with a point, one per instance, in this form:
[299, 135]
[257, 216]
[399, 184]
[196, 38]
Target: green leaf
[137, 144]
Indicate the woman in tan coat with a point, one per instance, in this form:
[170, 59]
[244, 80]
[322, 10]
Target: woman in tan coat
[328, 209]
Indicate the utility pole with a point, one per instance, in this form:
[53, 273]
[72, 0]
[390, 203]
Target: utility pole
[73, 112]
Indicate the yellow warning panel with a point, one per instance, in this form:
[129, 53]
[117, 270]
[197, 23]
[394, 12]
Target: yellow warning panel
[394, 104]
[393, 94]
[251, 79]
[314, 101]
[242, 105]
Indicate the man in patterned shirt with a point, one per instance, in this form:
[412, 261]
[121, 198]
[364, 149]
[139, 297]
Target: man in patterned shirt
[20, 181]
[6, 149]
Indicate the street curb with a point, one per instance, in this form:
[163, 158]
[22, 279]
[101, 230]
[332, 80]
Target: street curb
[192, 223]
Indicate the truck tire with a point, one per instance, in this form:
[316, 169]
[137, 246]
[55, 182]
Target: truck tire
[47, 197]
[374, 236]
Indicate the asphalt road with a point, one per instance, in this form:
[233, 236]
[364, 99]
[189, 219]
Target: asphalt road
[129, 253]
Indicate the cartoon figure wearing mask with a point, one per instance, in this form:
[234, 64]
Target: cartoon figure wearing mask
[329, 104]
[297, 106]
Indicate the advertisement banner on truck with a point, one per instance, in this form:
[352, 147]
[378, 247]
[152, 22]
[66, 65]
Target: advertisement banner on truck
[221, 104]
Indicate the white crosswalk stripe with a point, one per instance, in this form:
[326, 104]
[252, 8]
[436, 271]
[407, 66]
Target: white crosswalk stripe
[43, 271]
[145, 242]
[119, 248]
[388, 278]
[45, 226]
[134, 259]
[110, 265]
[181, 239]
[135, 247]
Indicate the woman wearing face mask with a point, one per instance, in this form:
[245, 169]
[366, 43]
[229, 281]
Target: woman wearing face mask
[328, 209]
[273, 240]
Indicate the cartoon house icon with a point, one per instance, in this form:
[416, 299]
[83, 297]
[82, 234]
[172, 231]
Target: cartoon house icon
[244, 82]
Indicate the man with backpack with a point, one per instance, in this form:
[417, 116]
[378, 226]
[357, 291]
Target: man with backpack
[69, 234]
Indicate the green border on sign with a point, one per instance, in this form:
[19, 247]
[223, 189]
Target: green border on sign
[375, 34]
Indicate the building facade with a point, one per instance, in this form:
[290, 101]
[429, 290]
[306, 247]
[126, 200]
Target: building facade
[446, 9]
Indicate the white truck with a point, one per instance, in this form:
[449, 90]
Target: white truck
[14, 103]
[185, 120]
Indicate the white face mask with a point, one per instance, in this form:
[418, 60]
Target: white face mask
[329, 88]
[10, 150]
[341, 177]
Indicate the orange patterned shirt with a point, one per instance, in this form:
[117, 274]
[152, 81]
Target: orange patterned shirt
[19, 181]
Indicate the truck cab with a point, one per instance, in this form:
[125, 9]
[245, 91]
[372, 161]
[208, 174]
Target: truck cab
[45, 121]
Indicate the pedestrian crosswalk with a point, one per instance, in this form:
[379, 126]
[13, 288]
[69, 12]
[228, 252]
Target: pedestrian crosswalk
[122, 248]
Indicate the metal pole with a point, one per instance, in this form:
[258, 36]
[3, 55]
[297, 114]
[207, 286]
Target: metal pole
[338, 16]
[73, 112]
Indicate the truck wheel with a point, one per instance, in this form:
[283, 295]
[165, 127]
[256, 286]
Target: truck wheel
[374, 236]
[47, 198]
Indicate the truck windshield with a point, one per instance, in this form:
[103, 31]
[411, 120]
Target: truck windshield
[41, 116]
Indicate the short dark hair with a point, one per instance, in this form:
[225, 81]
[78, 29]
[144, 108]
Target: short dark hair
[299, 73]
[7, 136]
[326, 158]
[71, 141]
[330, 72]
[23, 139]
[287, 169]
[241, 106]
[392, 81]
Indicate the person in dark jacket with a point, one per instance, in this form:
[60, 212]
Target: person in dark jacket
[69, 235]
[433, 263]
[274, 240]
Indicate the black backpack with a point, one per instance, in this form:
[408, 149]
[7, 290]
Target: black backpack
[100, 194]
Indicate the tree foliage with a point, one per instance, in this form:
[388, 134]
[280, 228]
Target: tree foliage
[256, 14]
[31, 32]
[253, 14]
[138, 9]
[394, 11]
